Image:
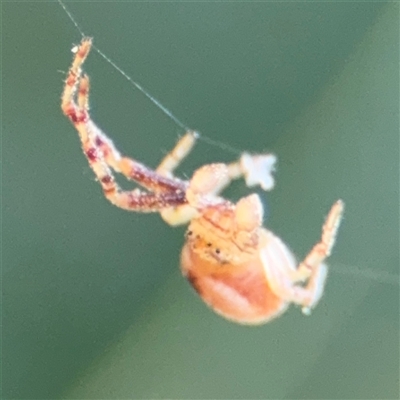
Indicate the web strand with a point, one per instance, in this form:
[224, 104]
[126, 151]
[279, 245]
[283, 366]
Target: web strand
[383, 277]
[139, 87]
[125, 75]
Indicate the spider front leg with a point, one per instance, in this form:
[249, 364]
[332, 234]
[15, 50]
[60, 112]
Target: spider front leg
[285, 280]
[181, 150]
[170, 193]
[210, 180]
[68, 105]
[160, 180]
[101, 153]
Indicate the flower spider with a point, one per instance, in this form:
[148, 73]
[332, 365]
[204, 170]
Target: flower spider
[239, 268]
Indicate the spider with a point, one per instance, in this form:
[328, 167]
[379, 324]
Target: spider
[240, 269]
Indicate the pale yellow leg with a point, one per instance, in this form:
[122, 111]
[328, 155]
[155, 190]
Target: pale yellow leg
[210, 180]
[172, 160]
[323, 248]
[284, 280]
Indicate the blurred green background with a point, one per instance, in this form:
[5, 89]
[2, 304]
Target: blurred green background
[93, 302]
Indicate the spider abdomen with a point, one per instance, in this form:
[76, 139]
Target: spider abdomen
[237, 292]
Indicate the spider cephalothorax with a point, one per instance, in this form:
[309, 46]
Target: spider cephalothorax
[239, 268]
[222, 232]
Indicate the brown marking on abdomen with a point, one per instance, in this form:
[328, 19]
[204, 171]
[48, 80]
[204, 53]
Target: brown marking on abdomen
[193, 280]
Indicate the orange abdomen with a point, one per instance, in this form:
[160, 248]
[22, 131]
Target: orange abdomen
[238, 292]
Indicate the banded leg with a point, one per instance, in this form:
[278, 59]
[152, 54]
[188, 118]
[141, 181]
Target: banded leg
[129, 200]
[279, 265]
[132, 169]
[77, 112]
[68, 105]
[323, 248]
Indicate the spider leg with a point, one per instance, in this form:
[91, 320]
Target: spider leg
[168, 191]
[290, 291]
[181, 214]
[161, 181]
[68, 105]
[210, 180]
[256, 169]
[181, 150]
[130, 168]
[284, 280]
[134, 200]
[204, 186]
[127, 166]
[323, 248]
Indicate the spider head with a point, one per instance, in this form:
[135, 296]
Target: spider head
[227, 233]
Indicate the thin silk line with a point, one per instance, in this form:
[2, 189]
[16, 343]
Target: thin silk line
[139, 87]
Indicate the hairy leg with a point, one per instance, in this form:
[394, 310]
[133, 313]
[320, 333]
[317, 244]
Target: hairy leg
[181, 150]
[323, 248]
[280, 270]
[170, 193]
